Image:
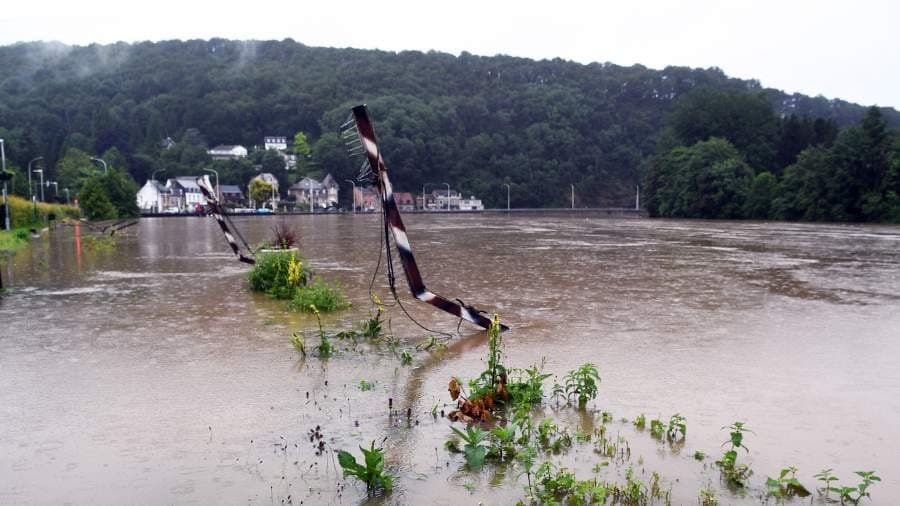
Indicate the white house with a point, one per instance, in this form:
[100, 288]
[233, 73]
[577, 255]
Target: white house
[153, 197]
[471, 204]
[446, 200]
[227, 152]
[187, 187]
[276, 143]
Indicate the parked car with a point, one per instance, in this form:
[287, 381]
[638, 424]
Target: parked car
[172, 210]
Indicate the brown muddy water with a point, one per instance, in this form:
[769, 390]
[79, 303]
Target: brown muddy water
[149, 374]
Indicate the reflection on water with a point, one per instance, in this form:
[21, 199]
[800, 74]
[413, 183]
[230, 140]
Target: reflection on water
[150, 374]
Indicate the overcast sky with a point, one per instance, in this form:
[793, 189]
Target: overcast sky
[845, 49]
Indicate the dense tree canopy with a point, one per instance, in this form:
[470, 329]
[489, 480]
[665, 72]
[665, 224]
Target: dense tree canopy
[852, 177]
[475, 122]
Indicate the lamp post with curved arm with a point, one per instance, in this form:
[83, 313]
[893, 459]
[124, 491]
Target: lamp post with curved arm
[105, 168]
[30, 189]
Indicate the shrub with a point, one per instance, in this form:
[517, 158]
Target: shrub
[320, 295]
[279, 274]
[22, 211]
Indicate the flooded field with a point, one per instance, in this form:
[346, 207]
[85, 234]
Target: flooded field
[148, 373]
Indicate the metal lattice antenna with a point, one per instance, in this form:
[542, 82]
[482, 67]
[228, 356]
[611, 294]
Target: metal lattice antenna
[356, 151]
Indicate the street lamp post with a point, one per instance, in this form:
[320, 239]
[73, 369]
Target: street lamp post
[507, 196]
[55, 187]
[67, 196]
[448, 195]
[218, 191]
[637, 198]
[5, 198]
[152, 178]
[105, 168]
[354, 193]
[41, 172]
[30, 189]
[573, 196]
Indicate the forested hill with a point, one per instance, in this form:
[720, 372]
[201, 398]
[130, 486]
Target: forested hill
[474, 122]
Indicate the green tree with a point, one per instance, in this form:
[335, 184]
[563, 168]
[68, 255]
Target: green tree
[121, 191]
[803, 191]
[301, 146]
[706, 180]
[260, 191]
[761, 197]
[747, 120]
[94, 201]
[75, 168]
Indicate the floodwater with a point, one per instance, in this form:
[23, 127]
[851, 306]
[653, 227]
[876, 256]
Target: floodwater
[149, 374]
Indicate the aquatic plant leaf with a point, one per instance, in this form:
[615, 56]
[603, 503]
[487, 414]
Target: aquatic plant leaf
[475, 456]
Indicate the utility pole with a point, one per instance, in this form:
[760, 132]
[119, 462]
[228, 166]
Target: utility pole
[67, 195]
[354, 193]
[637, 198]
[573, 196]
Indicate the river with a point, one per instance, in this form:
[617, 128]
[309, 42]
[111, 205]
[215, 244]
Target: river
[148, 373]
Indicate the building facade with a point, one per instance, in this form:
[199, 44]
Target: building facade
[153, 197]
[275, 142]
[227, 152]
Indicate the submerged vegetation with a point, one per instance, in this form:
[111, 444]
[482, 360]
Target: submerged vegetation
[506, 429]
[371, 471]
[284, 275]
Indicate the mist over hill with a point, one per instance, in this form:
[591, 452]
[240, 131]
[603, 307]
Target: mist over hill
[475, 122]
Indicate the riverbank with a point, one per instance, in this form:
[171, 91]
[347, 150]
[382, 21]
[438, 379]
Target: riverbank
[13, 240]
[25, 215]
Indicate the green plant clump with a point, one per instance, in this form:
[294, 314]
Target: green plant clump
[854, 494]
[279, 274]
[372, 473]
[786, 485]
[734, 473]
[582, 383]
[321, 295]
[474, 449]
